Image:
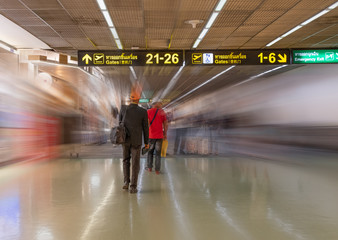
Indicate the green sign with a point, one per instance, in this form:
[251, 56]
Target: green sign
[315, 56]
[144, 100]
[130, 58]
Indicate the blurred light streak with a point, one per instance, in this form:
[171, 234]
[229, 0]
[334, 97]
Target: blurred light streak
[259, 75]
[206, 82]
[95, 217]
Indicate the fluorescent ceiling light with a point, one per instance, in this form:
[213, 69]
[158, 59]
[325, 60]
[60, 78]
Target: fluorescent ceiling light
[315, 17]
[8, 48]
[102, 5]
[118, 43]
[291, 31]
[220, 5]
[196, 43]
[108, 18]
[273, 42]
[201, 85]
[203, 33]
[333, 6]
[113, 31]
[212, 19]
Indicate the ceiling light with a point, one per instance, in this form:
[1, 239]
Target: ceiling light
[108, 18]
[114, 32]
[315, 17]
[273, 42]
[203, 33]
[102, 5]
[220, 5]
[119, 44]
[333, 6]
[212, 19]
[196, 43]
[4, 46]
[291, 31]
[193, 22]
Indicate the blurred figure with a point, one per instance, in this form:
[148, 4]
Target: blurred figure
[158, 128]
[136, 122]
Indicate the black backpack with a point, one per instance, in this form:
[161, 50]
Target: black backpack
[118, 134]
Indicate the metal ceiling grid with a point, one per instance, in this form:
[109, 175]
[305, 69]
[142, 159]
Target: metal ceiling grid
[184, 33]
[80, 43]
[87, 17]
[198, 5]
[278, 5]
[257, 42]
[55, 17]
[55, 42]
[42, 4]
[232, 18]
[127, 18]
[42, 31]
[158, 43]
[69, 31]
[234, 41]
[240, 5]
[159, 19]
[313, 5]
[263, 17]
[10, 4]
[211, 43]
[80, 5]
[247, 31]
[185, 43]
[124, 4]
[141, 43]
[221, 32]
[131, 33]
[158, 33]
[161, 5]
[23, 17]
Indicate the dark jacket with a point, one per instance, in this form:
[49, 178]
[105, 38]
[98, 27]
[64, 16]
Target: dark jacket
[136, 122]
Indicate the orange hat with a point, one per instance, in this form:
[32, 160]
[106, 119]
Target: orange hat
[136, 91]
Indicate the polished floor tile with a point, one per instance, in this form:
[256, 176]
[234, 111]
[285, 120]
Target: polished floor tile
[193, 199]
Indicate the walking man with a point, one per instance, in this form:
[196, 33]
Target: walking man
[136, 123]
[158, 126]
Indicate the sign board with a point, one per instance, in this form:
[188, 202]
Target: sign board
[130, 58]
[144, 100]
[315, 56]
[237, 57]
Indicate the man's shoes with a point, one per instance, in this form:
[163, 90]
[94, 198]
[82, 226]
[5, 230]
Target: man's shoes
[125, 186]
[149, 169]
[157, 172]
[133, 190]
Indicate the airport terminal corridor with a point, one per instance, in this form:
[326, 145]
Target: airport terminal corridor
[232, 197]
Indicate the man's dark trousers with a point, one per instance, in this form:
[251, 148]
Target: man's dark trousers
[155, 145]
[131, 153]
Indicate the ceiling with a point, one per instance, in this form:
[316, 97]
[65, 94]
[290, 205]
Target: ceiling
[70, 25]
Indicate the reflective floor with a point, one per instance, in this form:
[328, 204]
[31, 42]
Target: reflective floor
[194, 198]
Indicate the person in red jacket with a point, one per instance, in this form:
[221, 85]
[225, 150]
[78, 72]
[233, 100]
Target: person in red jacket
[158, 126]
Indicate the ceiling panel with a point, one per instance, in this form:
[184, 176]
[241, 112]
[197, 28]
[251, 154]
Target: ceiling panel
[160, 19]
[240, 5]
[23, 17]
[247, 31]
[55, 17]
[235, 41]
[43, 31]
[161, 5]
[278, 5]
[182, 43]
[56, 42]
[128, 18]
[10, 4]
[158, 33]
[265, 17]
[69, 31]
[42, 4]
[232, 18]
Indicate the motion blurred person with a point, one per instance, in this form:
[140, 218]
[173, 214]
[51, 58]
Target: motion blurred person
[136, 123]
[158, 126]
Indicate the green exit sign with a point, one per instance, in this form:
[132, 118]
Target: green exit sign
[144, 100]
[315, 56]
